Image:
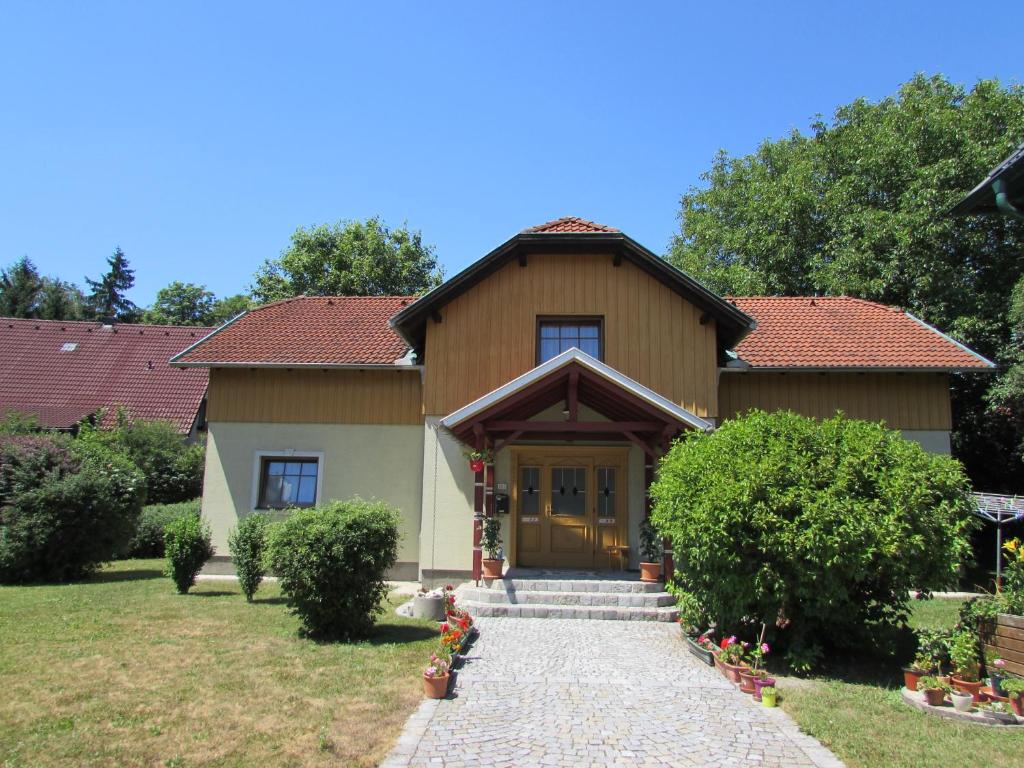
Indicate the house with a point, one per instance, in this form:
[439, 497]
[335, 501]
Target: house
[1002, 191]
[64, 372]
[570, 351]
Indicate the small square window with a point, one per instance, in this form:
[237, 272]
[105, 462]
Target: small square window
[555, 335]
[288, 482]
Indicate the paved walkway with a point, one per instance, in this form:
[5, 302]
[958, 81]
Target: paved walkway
[543, 692]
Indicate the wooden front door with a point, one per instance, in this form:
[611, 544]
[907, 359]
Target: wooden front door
[569, 506]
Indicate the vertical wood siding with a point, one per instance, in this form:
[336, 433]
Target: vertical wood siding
[315, 396]
[903, 401]
[651, 334]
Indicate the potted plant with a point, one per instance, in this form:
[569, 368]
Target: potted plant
[768, 695]
[753, 656]
[963, 654]
[702, 647]
[962, 702]
[1013, 687]
[491, 543]
[933, 689]
[920, 666]
[436, 676]
[998, 711]
[732, 658]
[650, 552]
[479, 459]
[428, 605]
[995, 666]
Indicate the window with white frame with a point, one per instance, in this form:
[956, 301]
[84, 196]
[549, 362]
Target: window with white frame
[288, 481]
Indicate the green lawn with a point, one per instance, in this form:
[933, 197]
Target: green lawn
[859, 715]
[120, 670]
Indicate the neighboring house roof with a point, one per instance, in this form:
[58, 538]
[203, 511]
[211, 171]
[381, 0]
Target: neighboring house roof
[570, 224]
[319, 331]
[839, 332]
[65, 371]
[571, 235]
[982, 198]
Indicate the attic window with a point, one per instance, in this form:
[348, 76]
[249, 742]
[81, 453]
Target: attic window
[69, 346]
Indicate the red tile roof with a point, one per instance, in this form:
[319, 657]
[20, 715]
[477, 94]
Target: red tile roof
[569, 224]
[64, 371]
[307, 330]
[842, 332]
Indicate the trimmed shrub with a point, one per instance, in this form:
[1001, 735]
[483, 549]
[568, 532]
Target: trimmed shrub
[188, 547]
[148, 540]
[818, 529]
[173, 468]
[248, 546]
[332, 561]
[65, 507]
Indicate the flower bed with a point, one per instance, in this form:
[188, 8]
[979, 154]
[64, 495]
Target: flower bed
[457, 634]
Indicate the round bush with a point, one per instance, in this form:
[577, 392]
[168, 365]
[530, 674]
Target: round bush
[248, 546]
[332, 562]
[148, 540]
[187, 543]
[65, 507]
[818, 529]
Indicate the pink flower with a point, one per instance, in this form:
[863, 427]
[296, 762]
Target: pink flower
[745, 644]
[730, 640]
[764, 648]
[999, 663]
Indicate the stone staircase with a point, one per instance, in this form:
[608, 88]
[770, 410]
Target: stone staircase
[536, 594]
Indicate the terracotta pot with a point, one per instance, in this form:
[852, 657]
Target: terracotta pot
[910, 678]
[435, 687]
[732, 671]
[968, 686]
[492, 568]
[761, 682]
[934, 696]
[747, 678]
[650, 572]
[944, 679]
[1018, 705]
[476, 465]
[720, 665]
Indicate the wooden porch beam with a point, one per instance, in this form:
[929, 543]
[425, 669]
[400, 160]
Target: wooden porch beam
[639, 443]
[573, 397]
[499, 444]
[573, 426]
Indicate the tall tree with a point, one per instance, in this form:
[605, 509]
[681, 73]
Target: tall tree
[352, 258]
[19, 289]
[107, 297]
[60, 300]
[181, 304]
[228, 307]
[859, 206]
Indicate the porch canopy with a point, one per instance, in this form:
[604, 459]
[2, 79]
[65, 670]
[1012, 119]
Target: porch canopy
[573, 378]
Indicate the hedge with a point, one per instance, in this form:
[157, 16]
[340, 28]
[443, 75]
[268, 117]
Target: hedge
[148, 540]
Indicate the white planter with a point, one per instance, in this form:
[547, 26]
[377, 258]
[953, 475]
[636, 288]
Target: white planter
[962, 702]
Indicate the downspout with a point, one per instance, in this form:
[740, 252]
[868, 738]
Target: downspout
[1003, 201]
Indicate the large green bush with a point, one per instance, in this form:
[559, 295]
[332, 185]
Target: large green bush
[332, 561]
[187, 543]
[173, 467]
[818, 529]
[148, 540]
[65, 507]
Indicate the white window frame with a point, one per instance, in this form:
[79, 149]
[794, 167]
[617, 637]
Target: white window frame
[284, 453]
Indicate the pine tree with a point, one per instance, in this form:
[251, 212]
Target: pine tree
[20, 285]
[107, 298]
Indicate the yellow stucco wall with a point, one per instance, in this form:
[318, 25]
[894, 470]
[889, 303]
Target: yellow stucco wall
[372, 461]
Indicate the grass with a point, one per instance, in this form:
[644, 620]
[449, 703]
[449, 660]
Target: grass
[120, 670]
[859, 715]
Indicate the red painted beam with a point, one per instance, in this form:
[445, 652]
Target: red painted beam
[573, 426]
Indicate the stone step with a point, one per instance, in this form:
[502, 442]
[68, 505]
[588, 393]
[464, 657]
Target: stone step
[552, 611]
[597, 599]
[572, 585]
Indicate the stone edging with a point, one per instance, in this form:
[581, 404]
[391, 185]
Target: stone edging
[916, 700]
[412, 734]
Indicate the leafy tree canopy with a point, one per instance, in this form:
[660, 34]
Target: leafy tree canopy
[24, 293]
[190, 304]
[859, 206]
[349, 258]
[107, 295]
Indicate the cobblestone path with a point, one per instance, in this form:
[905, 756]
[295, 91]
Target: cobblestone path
[543, 692]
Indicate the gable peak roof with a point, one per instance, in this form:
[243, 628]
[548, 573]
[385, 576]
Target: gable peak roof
[573, 224]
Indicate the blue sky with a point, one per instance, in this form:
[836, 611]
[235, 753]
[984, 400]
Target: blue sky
[197, 136]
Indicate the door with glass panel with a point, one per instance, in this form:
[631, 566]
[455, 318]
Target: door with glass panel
[569, 506]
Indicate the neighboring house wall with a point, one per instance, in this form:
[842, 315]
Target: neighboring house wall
[364, 426]
[916, 403]
[487, 335]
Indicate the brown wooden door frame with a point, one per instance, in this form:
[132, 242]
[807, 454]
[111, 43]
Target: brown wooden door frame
[547, 456]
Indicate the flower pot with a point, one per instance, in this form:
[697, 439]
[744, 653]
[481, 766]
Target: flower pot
[1018, 705]
[732, 671]
[650, 572]
[934, 696]
[768, 698]
[911, 676]
[428, 607]
[761, 682]
[702, 653]
[944, 679]
[747, 678]
[476, 465]
[968, 686]
[720, 665]
[492, 568]
[962, 702]
[996, 681]
[435, 687]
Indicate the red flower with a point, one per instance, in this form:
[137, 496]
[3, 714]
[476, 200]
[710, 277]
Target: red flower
[444, 628]
[724, 644]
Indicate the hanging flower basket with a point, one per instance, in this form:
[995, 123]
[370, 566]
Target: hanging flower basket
[476, 465]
